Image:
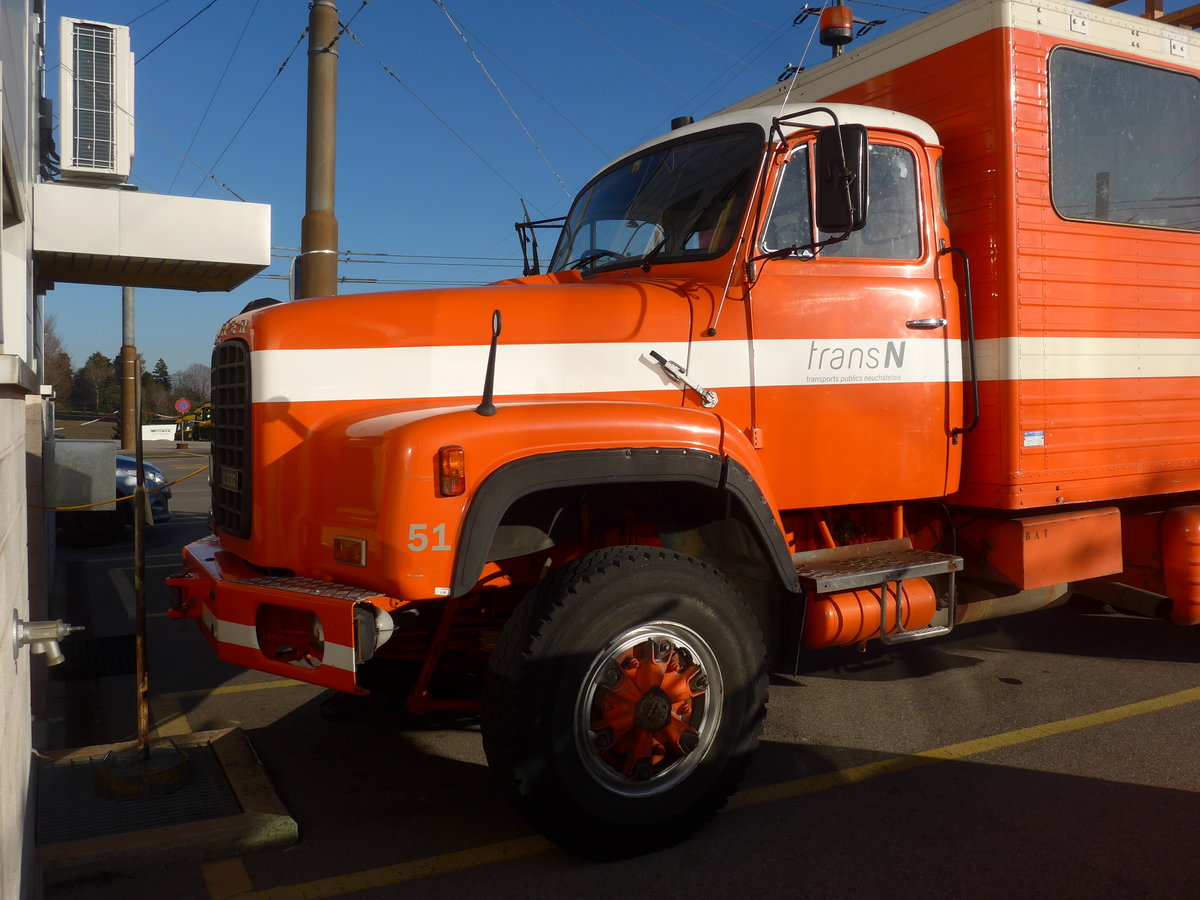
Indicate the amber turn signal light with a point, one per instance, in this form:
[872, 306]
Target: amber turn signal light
[452, 471]
[351, 551]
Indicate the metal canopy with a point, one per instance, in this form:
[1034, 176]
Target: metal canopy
[96, 235]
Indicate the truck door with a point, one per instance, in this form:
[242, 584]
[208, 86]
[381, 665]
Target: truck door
[856, 355]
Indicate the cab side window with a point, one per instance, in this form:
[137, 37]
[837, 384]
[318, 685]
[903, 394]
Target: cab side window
[893, 221]
[893, 224]
[790, 223]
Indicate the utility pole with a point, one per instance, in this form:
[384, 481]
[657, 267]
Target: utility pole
[319, 228]
[130, 414]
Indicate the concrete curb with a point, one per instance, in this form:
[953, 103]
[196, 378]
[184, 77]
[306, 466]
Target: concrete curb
[263, 822]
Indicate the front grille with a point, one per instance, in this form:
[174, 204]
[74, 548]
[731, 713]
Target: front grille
[231, 438]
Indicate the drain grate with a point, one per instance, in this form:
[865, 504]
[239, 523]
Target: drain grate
[68, 809]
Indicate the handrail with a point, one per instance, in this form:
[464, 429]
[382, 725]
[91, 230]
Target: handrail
[969, 304]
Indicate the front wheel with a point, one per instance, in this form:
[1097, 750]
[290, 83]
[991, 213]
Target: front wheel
[624, 699]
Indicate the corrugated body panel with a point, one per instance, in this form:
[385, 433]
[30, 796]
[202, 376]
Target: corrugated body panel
[1103, 437]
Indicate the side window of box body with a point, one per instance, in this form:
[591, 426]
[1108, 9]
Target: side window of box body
[1123, 141]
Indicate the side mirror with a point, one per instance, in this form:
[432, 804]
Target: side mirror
[842, 177]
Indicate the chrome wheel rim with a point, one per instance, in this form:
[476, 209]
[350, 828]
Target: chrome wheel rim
[648, 709]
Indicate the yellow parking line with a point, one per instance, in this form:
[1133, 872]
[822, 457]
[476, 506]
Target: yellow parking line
[236, 689]
[409, 871]
[168, 717]
[530, 846]
[167, 713]
[857, 774]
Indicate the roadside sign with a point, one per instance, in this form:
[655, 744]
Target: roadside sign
[182, 405]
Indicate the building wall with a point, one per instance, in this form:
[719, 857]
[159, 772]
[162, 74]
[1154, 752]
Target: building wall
[21, 424]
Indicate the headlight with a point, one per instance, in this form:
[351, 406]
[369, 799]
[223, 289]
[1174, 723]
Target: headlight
[153, 476]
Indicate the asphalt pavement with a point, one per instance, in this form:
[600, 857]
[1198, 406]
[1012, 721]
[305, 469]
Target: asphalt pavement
[1046, 755]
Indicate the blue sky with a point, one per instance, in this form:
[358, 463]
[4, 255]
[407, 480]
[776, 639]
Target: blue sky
[431, 172]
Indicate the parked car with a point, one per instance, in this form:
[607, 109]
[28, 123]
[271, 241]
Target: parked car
[94, 527]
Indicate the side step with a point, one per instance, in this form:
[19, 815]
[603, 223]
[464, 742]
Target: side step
[879, 564]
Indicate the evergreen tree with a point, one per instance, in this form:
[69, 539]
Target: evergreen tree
[162, 375]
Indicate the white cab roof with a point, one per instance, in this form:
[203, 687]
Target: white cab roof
[764, 113]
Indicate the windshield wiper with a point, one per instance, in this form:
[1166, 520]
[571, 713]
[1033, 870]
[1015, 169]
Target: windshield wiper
[649, 258]
[591, 256]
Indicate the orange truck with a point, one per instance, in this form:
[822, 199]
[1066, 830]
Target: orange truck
[908, 341]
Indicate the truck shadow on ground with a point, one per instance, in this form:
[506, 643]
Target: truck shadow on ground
[1059, 631]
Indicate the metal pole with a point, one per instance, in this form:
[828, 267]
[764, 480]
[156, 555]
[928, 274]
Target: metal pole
[130, 417]
[319, 228]
[139, 593]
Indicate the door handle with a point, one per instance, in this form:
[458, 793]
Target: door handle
[926, 324]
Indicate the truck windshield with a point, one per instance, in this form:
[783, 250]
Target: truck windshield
[677, 202]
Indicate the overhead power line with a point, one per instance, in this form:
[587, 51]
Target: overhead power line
[537, 93]
[411, 283]
[461, 263]
[283, 65]
[229, 62]
[505, 100]
[147, 12]
[694, 37]
[355, 257]
[501, 259]
[177, 30]
[337, 37]
[434, 113]
[633, 59]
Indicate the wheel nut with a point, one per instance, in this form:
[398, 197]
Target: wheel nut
[612, 675]
[700, 682]
[602, 740]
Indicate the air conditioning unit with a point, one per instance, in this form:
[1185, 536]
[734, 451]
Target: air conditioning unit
[95, 101]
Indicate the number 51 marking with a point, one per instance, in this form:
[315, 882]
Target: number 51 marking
[419, 534]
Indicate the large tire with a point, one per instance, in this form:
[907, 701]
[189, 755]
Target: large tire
[624, 699]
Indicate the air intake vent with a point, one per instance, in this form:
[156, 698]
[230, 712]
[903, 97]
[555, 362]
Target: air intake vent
[231, 438]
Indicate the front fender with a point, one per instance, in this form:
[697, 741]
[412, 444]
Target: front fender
[627, 465]
[424, 545]
[418, 534]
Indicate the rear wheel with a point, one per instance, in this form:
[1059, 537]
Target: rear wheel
[624, 699]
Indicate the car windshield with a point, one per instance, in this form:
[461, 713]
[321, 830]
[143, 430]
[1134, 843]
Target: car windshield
[681, 201]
